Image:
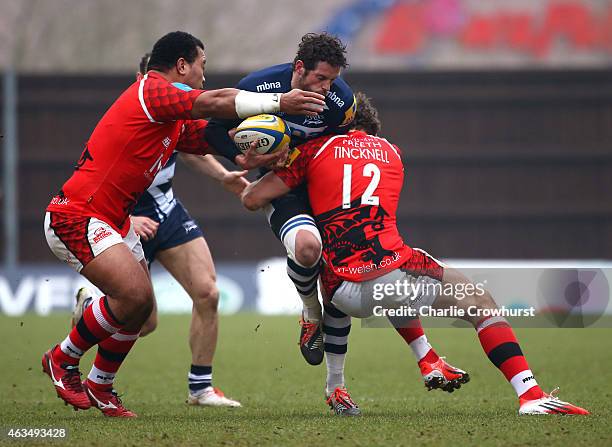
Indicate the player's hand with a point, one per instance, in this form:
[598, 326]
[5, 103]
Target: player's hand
[234, 182]
[251, 159]
[144, 227]
[301, 102]
[282, 161]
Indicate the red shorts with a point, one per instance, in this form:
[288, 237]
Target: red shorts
[420, 263]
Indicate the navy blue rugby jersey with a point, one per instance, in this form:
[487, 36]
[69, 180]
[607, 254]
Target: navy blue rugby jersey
[340, 106]
[158, 200]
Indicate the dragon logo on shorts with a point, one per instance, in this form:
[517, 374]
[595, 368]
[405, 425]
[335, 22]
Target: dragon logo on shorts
[348, 232]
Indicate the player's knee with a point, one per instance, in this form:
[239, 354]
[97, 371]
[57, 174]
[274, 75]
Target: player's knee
[478, 300]
[484, 300]
[150, 325]
[140, 300]
[307, 249]
[206, 298]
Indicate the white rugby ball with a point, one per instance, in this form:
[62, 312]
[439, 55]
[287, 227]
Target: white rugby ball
[269, 131]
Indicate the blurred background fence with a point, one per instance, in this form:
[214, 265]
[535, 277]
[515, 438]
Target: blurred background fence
[503, 112]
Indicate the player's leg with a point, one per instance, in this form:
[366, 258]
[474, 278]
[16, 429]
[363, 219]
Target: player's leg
[303, 243]
[291, 222]
[336, 329]
[150, 248]
[113, 350]
[151, 324]
[191, 264]
[109, 264]
[436, 372]
[85, 296]
[110, 355]
[501, 346]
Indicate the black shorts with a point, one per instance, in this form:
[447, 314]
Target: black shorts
[178, 229]
[285, 208]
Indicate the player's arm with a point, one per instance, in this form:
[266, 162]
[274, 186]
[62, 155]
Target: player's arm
[258, 194]
[164, 102]
[217, 135]
[279, 182]
[234, 103]
[232, 181]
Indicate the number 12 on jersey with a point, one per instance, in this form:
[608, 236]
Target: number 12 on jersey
[368, 197]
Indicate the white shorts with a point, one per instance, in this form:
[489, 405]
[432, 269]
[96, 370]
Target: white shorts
[78, 240]
[395, 289]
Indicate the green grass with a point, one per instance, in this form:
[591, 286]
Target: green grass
[258, 363]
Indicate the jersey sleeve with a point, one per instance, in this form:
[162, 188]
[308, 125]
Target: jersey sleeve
[247, 83]
[192, 139]
[295, 171]
[163, 101]
[218, 138]
[346, 116]
[217, 132]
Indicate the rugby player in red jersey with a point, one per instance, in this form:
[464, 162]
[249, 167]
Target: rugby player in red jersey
[87, 224]
[317, 67]
[354, 183]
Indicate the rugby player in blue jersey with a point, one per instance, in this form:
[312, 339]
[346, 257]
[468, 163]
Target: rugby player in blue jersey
[317, 66]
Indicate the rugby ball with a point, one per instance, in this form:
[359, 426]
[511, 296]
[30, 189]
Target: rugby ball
[269, 131]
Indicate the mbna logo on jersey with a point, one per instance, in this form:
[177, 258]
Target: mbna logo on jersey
[335, 99]
[268, 86]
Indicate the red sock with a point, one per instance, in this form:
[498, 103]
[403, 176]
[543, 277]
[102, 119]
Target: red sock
[111, 354]
[413, 334]
[499, 343]
[97, 324]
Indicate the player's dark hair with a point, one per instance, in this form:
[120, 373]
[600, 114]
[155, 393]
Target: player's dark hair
[144, 63]
[171, 48]
[323, 47]
[366, 116]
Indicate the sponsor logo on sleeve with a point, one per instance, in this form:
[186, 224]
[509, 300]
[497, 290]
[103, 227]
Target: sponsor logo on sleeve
[335, 99]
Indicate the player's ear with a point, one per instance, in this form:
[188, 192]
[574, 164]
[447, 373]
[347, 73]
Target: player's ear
[298, 67]
[181, 65]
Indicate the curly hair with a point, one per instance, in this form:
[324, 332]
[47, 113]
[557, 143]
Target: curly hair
[323, 47]
[366, 116]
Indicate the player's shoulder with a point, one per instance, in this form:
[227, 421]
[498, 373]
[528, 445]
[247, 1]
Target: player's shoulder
[312, 147]
[274, 79]
[153, 85]
[153, 78]
[341, 100]
[343, 92]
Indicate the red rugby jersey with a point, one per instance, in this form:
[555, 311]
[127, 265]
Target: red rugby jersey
[354, 183]
[128, 147]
